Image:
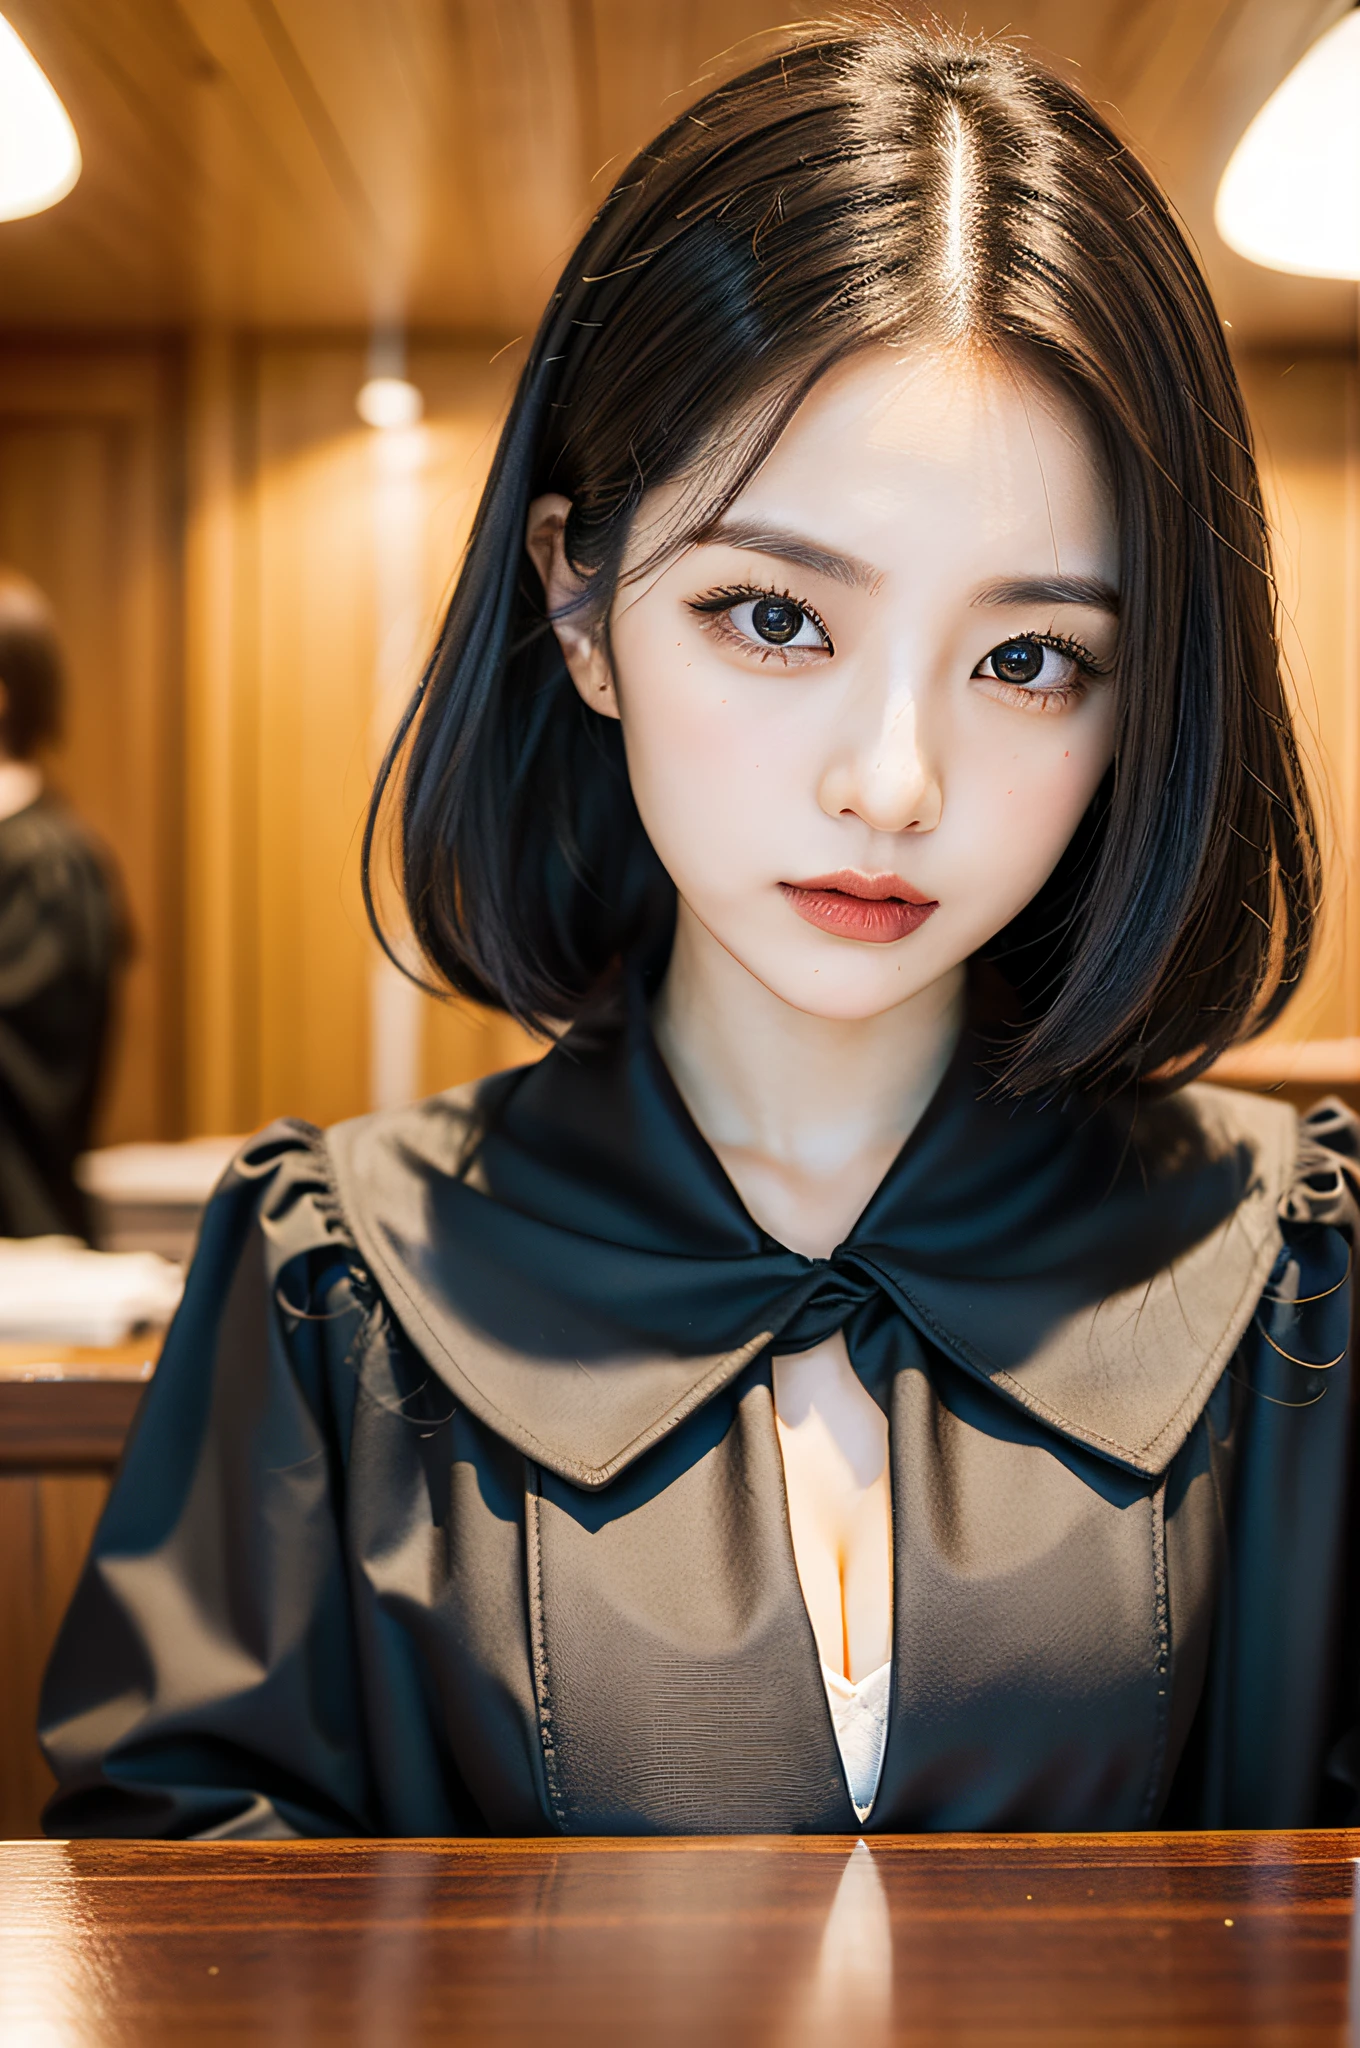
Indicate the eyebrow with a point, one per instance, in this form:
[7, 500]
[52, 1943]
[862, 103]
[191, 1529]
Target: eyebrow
[1090, 591]
[787, 546]
[794, 547]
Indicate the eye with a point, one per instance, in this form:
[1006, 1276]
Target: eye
[1040, 665]
[764, 622]
[1027, 662]
[777, 622]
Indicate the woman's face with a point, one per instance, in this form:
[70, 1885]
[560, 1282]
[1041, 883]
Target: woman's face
[864, 717]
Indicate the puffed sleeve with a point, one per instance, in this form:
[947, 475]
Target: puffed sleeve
[203, 1683]
[1278, 1689]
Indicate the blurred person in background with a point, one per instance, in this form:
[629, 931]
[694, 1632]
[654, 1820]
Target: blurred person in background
[60, 929]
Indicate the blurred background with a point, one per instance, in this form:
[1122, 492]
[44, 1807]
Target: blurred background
[282, 199]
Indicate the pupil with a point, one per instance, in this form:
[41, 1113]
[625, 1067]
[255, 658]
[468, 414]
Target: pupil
[776, 619]
[1019, 661]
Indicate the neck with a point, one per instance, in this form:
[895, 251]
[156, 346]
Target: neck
[20, 785]
[805, 1112]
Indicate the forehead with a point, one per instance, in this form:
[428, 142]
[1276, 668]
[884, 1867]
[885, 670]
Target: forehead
[938, 451]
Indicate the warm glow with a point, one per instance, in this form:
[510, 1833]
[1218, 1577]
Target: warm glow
[389, 402]
[39, 154]
[1290, 197]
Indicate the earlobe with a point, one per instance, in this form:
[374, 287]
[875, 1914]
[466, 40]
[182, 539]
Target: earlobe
[583, 649]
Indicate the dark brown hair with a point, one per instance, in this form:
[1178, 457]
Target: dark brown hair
[32, 672]
[866, 185]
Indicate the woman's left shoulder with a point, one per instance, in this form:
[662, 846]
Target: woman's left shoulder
[1307, 1163]
[1300, 1333]
[1326, 1184]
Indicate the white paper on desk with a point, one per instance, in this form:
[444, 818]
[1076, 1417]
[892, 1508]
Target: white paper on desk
[55, 1290]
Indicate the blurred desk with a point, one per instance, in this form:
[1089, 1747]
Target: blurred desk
[64, 1412]
[65, 1405]
[1207, 1940]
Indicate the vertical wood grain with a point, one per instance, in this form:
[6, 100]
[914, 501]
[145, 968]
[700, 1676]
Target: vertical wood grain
[1304, 413]
[301, 526]
[46, 1522]
[221, 840]
[89, 459]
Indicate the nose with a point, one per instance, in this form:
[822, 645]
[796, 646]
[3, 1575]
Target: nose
[885, 775]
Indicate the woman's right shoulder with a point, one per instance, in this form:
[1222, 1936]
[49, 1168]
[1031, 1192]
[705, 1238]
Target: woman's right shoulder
[295, 1206]
[281, 1183]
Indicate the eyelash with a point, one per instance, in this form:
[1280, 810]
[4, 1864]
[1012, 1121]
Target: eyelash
[718, 603]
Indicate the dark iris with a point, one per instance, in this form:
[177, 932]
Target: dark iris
[777, 619]
[1019, 661]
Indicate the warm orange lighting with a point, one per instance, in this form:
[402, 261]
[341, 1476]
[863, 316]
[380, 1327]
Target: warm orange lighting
[39, 154]
[1290, 197]
[389, 402]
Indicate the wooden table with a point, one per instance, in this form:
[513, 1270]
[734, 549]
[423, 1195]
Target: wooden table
[1232, 1940]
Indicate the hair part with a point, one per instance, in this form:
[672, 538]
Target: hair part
[879, 184]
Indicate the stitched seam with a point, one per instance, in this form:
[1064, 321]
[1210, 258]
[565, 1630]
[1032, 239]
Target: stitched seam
[533, 1551]
[1021, 1394]
[519, 1433]
[1162, 1660]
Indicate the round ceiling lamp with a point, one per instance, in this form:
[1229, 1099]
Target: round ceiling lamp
[1290, 197]
[39, 154]
[390, 402]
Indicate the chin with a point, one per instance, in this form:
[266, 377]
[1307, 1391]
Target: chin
[846, 991]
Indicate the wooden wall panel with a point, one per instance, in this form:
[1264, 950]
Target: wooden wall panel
[89, 463]
[315, 683]
[320, 557]
[46, 1522]
[1306, 415]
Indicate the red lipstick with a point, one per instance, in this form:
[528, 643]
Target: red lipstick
[879, 908]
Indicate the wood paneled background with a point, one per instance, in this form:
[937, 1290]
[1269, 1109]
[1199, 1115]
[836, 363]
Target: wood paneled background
[248, 578]
[319, 556]
[90, 507]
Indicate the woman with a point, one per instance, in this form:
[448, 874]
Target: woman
[61, 933]
[853, 1379]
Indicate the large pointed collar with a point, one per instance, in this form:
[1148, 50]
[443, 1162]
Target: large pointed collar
[564, 1249]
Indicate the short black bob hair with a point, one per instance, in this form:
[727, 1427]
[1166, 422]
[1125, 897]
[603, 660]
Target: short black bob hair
[32, 672]
[789, 218]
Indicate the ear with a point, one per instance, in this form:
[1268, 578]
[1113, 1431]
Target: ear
[583, 649]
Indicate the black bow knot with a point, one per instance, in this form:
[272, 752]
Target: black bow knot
[836, 1288]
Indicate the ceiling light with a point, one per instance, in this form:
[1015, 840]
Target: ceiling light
[1290, 197]
[389, 402]
[39, 154]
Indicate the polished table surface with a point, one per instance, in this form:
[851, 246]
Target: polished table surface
[1035, 1940]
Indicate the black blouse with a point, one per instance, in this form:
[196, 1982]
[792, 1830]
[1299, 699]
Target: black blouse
[60, 937]
[456, 1503]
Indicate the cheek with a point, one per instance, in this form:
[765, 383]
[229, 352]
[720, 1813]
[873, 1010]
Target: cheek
[1028, 793]
[705, 760]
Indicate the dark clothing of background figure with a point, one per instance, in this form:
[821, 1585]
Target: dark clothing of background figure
[60, 934]
[456, 1503]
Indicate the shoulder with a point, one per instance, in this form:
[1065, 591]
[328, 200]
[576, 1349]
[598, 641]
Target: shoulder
[1326, 1184]
[299, 1192]
[45, 834]
[391, 1154]
[1308, 1164]
[1258, 1128]
[56, 878]
[278, 1193]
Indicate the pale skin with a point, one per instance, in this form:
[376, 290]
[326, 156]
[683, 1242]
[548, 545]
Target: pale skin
[20, 781]
[921, 511]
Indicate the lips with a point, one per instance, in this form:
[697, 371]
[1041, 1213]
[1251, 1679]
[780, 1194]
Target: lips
[876, 908]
